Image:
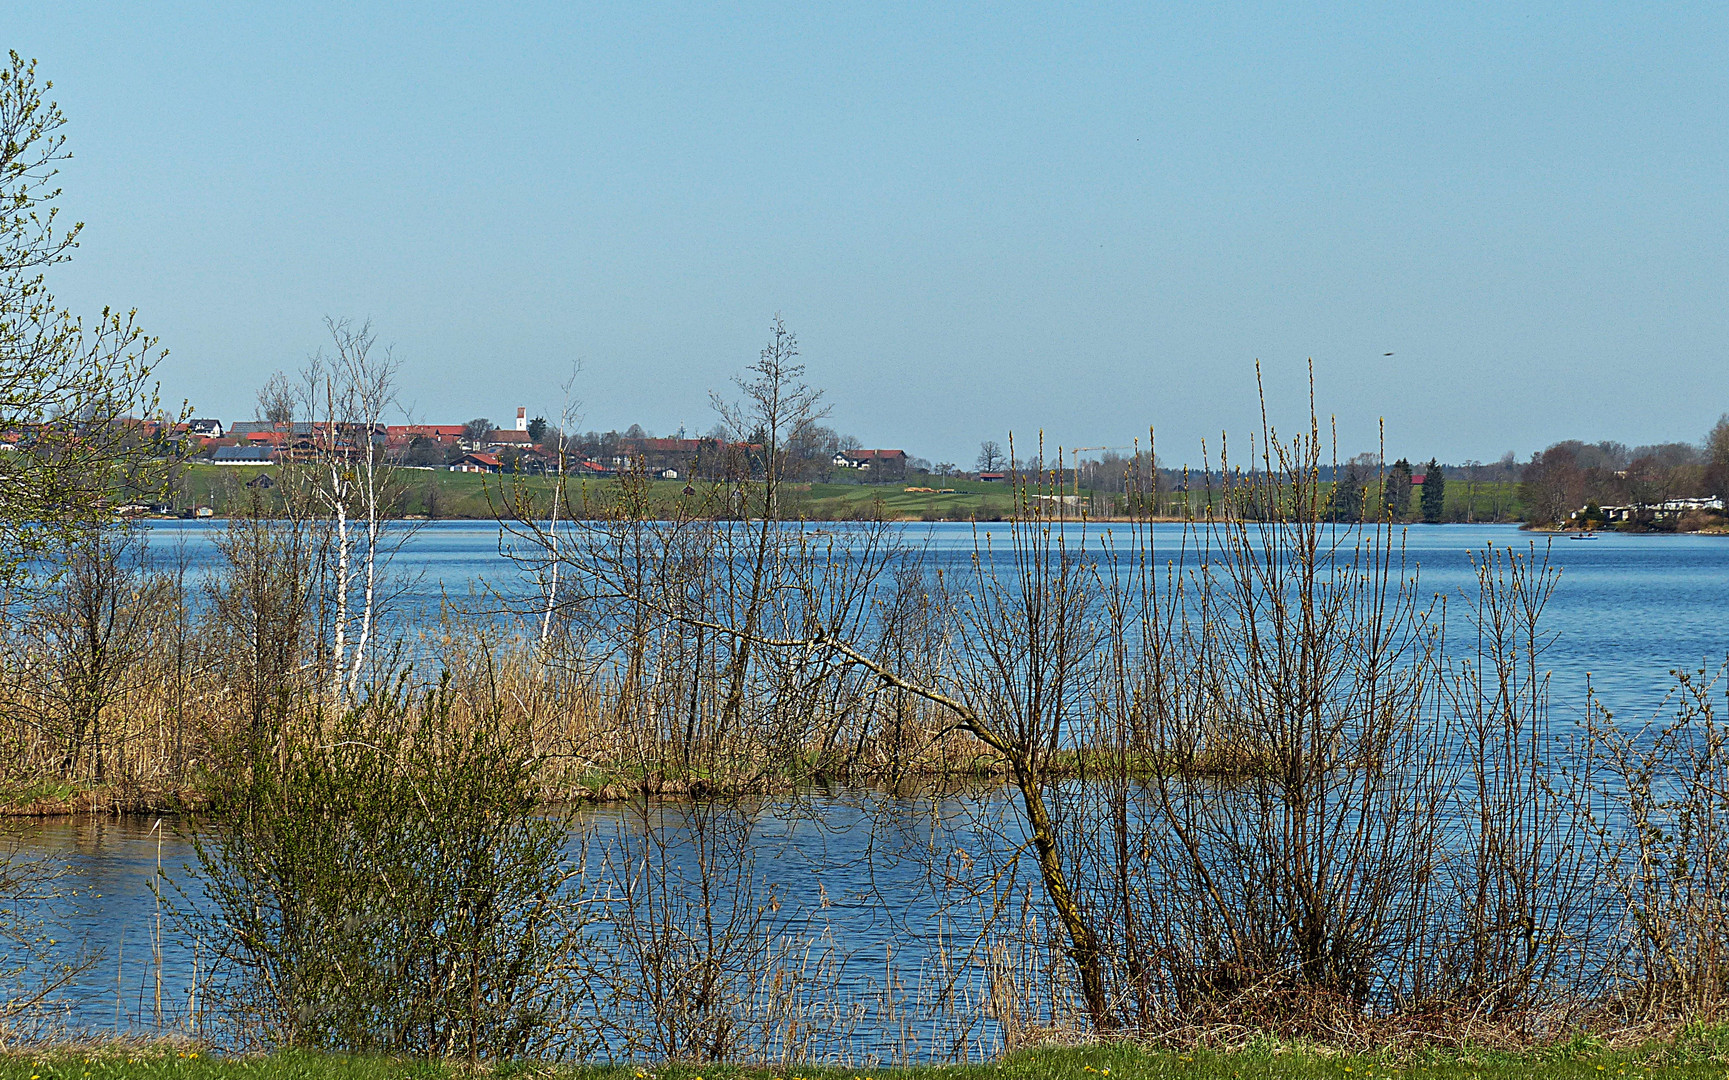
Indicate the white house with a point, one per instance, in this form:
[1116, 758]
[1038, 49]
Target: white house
[1659, 510]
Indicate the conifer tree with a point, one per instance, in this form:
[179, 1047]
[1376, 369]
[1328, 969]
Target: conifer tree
[1397, 489]
[1348, 493]
[1434, 492]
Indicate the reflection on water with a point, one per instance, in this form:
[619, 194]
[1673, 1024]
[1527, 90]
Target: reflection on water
[840, 891]
[109, 903]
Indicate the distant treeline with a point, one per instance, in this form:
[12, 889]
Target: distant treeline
[1570, 475]
[1556, 486]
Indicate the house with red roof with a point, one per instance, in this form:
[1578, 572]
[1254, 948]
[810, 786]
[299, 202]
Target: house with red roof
[400, 435]
[477, 463]
[881, 464]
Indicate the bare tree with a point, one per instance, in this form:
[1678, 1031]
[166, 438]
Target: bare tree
[259, 607]
[569, 415]
[777, 408]
[990, 456]
[276, 403]
[96, 634]
[347, 394]
[1554, 484]
[1717, 458]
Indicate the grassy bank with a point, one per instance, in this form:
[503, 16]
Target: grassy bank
[620, 780]
[477, 496]
[1702, 1055]
[37, 797]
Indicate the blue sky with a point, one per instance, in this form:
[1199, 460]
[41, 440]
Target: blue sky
[976, 218]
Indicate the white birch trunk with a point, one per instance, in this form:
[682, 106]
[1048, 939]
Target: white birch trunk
[371, 571]
[552, 548]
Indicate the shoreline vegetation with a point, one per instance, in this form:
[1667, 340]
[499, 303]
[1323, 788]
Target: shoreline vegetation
[48, 798]
[1226, 780]
[713, 665]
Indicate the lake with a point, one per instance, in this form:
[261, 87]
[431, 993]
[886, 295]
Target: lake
[1626, 611]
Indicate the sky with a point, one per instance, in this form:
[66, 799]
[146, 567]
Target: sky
[1089, 222]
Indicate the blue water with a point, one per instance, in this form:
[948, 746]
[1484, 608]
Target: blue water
[1628, 608]
[1626, 611]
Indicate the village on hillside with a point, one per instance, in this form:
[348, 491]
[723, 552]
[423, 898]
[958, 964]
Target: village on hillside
[1572, 485]
[530, 447]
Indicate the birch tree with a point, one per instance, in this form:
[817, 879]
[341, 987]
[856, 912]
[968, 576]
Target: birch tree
[347, 394]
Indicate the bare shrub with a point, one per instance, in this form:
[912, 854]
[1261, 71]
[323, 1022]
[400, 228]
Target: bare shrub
[1523, 906]
[389, 881]
[1665, 823]
[1243, 775]
[260, 609]
[84, 645]
[706, 965]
